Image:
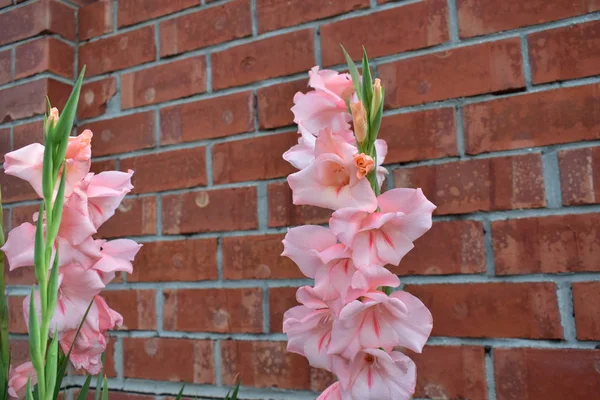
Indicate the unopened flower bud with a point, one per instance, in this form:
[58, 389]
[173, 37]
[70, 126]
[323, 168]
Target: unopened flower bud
[53, 117]
[364, 164]
[377, 98]
[359, 116]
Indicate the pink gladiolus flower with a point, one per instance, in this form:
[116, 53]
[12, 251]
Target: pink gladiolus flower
[385, 236]
[78, 159]
[26, 163]
[302, 154]
[331, 181]
[331, 82]
[319, 110]
[333, 392]
[19, 246]
[116, 256]
[364, 164]
[18, 377]
[381, 321]
[105, 192]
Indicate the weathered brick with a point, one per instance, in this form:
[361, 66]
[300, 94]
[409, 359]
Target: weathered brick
[460, 72]
[277, 14]
[274, 103]
[15, 189]
[122, 134]
[213, 310]
[451, 372]
[500, 183]
[449, 247]
[179, 260]
[419, 135]
[580, 175]
[15, 314]
[210, 211]
[29, 99]
[206, 119]
[549, 374]
[534, 119]
[5, 145]
[252, 159]
[44, 55]
[413, 26]
[118, 52]
[44, 16]
[280, 300]
[5, 66]
[565, 53]
[586, 296]
[253, 61]
[553, 244]
[134, 11]
[135, 216]
[21, 214]
[174, 80]
[186, 360]
[257, 257]
[497, 310]
[103, 165]
[480, 17]
[136, 306]
[31, 132]
[174, 169]
[5, 3]
[268, 364]
[96, 19]
[282, 212]
[206, 27]
[95, 97]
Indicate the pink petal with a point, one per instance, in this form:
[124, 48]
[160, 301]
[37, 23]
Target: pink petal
[105, 192]
[415, 206]
[26, 163]
[19, 246]
[303, 245]
[117, 255]
[76, 225]
[415, 327]
[320, 110]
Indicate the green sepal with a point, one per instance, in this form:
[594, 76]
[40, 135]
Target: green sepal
[85, 388]
[34, 335]
[48, 179]
[57, 211]
[180, 394]
[367, 83]
[62, 129]
[52, 288]
[51, 365]
[353, 73]
[39, 248]
[376, 124]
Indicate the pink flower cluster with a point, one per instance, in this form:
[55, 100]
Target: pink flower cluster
[347, 323]
[86, 265]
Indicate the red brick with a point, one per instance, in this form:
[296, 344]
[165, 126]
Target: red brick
[31, 132]
[164, 82]
[15, 189]
[419, 135]
[5, 3]
[44, 55]
[280, 300]
[5, 66]
[15, 314]
[274, 103]
[565, 53]
[20, 276]
[101, 166]
[213, 310]
[480, 17]
[134, 11]
[21, 214]
[553, 244]
[449, 247]
[451, 372]
[460, 72]
[119, 51]
[188, 260]
[500, 183]
[44, 16]
[247, 159]
[268, 364]
[174, 169]
[134, 217]
[549, 374]
[277, 14]
[497, 310]
[187, 360]
[580, 175]
[210, 211]
[282, 212]
[122, 134]
[19, 351]
[257, 257]
[29, 99]
[206, 119]
[136, 306]
[254, 61]
[205, 28]
[96, 19]
[5, 146]
[413, 26]
[95, 97]
[534, 119]
[586, 297]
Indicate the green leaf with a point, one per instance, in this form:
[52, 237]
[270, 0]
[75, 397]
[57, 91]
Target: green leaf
[180, 393]
[53, 288]
[105, 389]
[51, 365]
[39, 249]
[34, 334]
[85, 389]
[367, 82]
[235, 392]
[28, 389]
[353, 73]
[99, 380]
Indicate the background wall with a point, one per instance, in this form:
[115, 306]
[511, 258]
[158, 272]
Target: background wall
[493, 108]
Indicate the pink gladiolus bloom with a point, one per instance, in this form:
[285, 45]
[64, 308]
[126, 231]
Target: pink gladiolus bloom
[105, 192]
[331, 181]
[331, 82]
[26, 163]
[76, 224]
[18, 377]
[19, 246]
[319, 110]
[333, 392]
[116, 256]
[304, 244]
[379, 321]
[377, 375]
[302, 154]
[78, 159]
[364, 164]
[385, 236]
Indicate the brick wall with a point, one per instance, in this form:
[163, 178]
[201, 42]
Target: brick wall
[493, 108]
